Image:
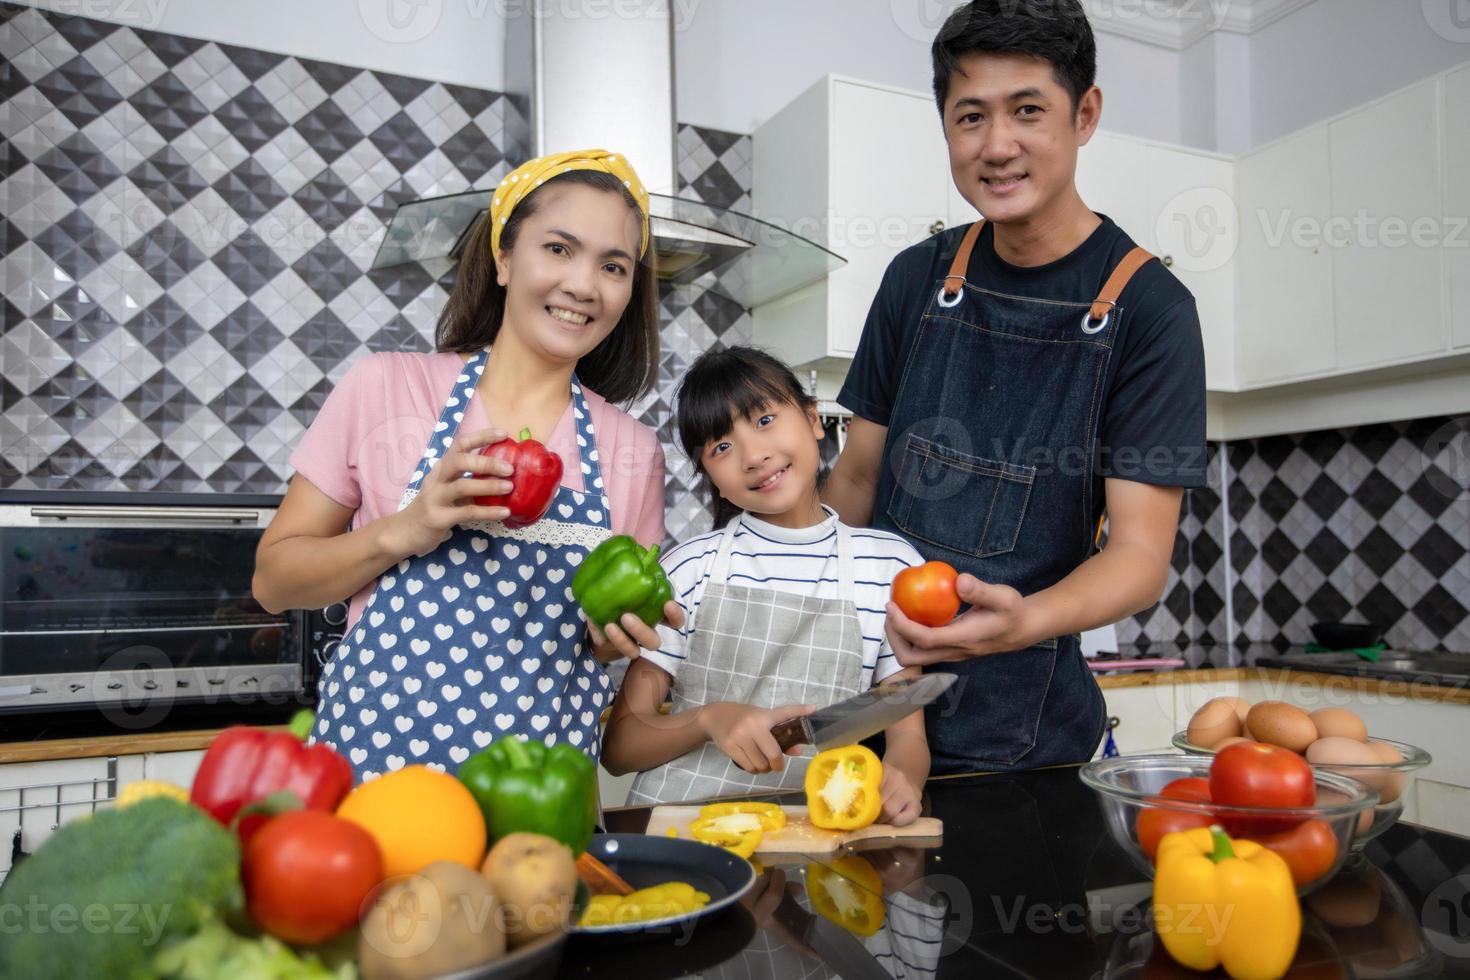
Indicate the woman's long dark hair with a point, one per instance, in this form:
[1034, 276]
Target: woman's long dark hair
[622, 367]
[720, 387]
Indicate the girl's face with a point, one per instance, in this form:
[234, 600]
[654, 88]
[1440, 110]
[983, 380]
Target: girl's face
[767, 463]
[570, 275]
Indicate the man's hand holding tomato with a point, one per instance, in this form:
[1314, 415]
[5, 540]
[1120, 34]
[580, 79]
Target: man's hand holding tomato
[922, 626]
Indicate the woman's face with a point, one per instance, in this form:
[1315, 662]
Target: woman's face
[570, 275]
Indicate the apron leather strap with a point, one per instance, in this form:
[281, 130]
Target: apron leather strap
[1116, 283]
[955, 281]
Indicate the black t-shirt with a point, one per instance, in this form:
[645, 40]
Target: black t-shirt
[1153, 428]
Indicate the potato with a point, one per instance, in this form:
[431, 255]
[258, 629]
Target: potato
[443, 919]
[535, 879]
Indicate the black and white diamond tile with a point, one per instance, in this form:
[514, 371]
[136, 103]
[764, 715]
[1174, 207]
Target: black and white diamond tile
[186, 228]
[1359, 524]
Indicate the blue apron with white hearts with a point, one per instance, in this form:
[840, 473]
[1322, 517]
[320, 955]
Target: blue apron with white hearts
[478, 639]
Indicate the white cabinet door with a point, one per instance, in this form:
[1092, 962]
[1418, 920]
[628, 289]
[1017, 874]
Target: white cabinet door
[1145, 717]
[173, 767]
[38, 797]
[1388, 291]
[1112, 177]
[1193, 226]
[1284, 323]
[889, 172]
[1457, 202]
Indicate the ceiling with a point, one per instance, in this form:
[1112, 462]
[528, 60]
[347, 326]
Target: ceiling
[1177, 24]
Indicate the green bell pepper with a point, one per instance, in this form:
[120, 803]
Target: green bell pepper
[620, 577]
[523, 785]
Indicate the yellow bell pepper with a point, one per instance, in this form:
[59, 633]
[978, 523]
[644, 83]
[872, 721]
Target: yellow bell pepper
[1222, 902]
[672, 898]
[842, 788]
[145, 789]
[771, 816]
[739, 834]
[849, 892]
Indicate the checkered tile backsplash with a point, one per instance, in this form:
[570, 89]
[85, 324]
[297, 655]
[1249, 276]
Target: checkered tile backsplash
[185, 233]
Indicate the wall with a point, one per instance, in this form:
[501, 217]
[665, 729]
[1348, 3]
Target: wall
[1333, 55]
[189, 230]
[734, 71]
[457, 41]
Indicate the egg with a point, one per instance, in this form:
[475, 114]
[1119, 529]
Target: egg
[1340, 723]
[1279, 723]
[1346, 755]
[1393, 782]
[1215, 721]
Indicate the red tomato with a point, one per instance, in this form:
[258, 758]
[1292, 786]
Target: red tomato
[1308, 848]
[1154, 822]
[1255, 774]
[926, 593]
[307, 873]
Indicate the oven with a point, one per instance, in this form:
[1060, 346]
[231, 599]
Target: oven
[137, 605]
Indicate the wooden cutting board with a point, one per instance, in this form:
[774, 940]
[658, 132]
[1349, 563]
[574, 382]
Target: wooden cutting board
[799, 836]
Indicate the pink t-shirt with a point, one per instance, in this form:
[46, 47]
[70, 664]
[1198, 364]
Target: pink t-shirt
[371, 432]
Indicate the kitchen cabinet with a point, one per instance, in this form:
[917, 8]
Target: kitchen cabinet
[824, 167]
[1457, 202]
[1388, 289]
[1145, 717]
[1112, 177]
[1193, 227]
[38, 797]
[1284, 323]
[173, 767]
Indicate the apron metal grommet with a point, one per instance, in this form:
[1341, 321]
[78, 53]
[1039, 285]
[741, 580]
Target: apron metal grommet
[1101, 324]
[958, 297]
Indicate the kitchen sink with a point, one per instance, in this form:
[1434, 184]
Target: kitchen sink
[1434, 667]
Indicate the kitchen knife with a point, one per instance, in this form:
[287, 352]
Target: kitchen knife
[862, 715]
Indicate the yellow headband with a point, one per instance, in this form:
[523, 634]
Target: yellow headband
[520, 182]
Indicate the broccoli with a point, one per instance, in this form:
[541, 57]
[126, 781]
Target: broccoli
[107, 892]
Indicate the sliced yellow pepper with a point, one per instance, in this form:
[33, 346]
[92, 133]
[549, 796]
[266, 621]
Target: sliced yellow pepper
[657, 902]
[842, 788]
[772, 817]
[1219, 902]
[738, 833]
[849, 892]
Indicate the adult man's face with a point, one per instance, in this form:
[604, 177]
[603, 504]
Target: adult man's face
[1013, 136]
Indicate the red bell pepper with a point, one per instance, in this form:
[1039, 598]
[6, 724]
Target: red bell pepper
[245, 765]
[534, 482]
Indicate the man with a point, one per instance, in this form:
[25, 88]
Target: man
[1015, 380]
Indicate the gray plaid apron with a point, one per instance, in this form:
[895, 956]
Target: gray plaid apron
[765, 648]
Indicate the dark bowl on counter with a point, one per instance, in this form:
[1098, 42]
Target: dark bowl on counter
[1346, 636]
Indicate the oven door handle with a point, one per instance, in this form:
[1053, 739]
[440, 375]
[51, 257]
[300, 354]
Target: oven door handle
[194, 515]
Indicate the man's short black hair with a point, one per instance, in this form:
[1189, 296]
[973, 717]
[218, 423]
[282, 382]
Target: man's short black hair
[1056, 30]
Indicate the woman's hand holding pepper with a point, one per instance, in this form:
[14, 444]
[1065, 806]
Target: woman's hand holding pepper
[630, 636]
[743, 732]
[446, 496]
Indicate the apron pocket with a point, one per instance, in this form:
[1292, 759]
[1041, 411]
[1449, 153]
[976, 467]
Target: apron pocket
[996, 718]
[965, 503]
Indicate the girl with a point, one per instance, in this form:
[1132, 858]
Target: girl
[785, 606]
[462, 630]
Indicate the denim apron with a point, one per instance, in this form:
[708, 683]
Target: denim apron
[765, 648]
[989, 456]
[478, 639]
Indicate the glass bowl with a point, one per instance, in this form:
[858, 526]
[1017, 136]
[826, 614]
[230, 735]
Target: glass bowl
[1391, 779]
[1130, 784]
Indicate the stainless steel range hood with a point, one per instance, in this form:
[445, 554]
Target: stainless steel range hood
[583, 80]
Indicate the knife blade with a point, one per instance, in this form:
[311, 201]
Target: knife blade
[863, 714]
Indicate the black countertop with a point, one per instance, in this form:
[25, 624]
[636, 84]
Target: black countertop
[1036, 888]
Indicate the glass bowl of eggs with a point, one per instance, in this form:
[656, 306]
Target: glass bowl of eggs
[1140, 806]
[1330, 739]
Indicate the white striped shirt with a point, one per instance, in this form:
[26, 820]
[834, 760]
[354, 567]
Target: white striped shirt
[798, 561]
